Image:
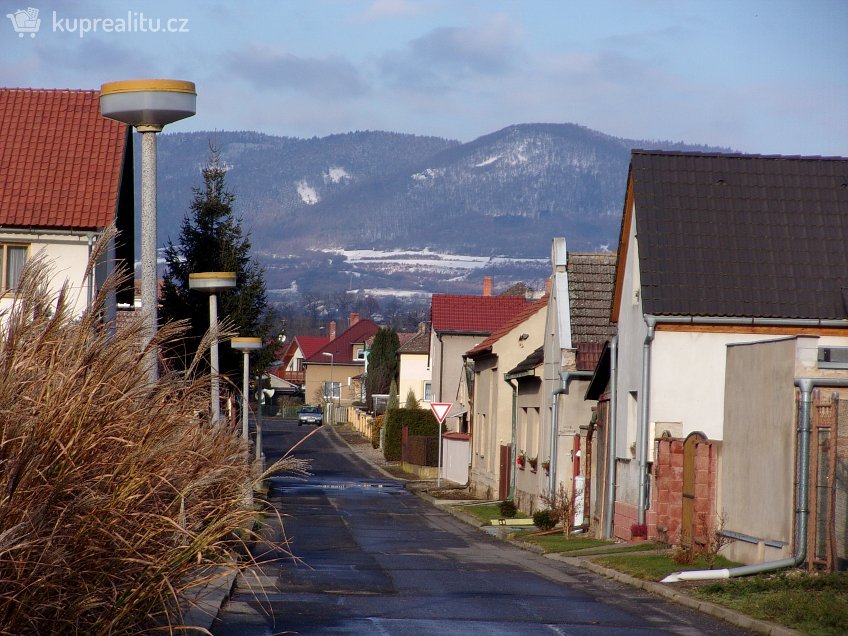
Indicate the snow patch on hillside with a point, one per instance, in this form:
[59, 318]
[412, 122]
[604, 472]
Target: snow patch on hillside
[307, 193]
[336, 174]
[487, 162]
[426, 260]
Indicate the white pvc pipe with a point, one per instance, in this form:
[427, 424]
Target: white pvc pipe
[213, 359]
[148, 250]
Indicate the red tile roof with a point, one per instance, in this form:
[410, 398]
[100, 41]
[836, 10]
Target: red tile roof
[528, 311]
[60, 160]
[310, 344]
[473, 314]
[342, 346]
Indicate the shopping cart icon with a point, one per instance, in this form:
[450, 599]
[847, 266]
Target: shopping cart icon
[25, 21]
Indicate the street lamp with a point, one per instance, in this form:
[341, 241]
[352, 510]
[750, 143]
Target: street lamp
[332, 389]
[245, 345]
[213, 282]
[148, 105]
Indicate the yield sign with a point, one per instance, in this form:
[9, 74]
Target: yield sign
[440, 410]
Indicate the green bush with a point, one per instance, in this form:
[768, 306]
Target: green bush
[543, 520]
[508, 508]
[418, 421]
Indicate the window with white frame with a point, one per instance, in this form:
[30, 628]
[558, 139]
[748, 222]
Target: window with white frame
[14, 256]
[332, 390]
[428, 391]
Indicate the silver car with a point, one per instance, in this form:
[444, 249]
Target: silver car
[310, 415]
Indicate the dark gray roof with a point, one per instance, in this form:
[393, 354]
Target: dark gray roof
[741, 235]
[529, 363]
[591, 282]
[419, 343]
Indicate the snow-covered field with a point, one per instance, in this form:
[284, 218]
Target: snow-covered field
[428, 260]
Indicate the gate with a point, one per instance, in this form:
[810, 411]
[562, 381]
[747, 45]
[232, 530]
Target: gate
[687, 521]
[822, 543]
[505, 472]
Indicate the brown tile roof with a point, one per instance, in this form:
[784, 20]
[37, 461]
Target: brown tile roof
[588, 355]
[741, 235]
[60, 160]
[529, 310]
[419, 343]
[591, 282]
[473, 314]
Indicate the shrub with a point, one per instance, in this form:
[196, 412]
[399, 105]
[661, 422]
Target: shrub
[508, 508]
[418, 421]
[376, 426]
[543, 520]
[117, 498]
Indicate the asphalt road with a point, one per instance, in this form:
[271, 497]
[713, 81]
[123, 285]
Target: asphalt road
[375, 559]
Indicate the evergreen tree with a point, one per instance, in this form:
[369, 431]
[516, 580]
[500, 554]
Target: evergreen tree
[211, 240]
[394, 400]
[411, 400]
[382, 362]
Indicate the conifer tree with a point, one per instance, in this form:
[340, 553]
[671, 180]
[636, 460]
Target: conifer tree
[211, 240]
[382, 362]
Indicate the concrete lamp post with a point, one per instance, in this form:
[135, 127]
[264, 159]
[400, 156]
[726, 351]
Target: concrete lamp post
[245, 345]
[332, 389]
[148, 105]
[212, 283]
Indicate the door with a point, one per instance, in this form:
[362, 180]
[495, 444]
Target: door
[505, 472]
[687, 523]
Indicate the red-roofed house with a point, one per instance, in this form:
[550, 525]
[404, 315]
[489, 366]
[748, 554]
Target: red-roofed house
[340, 364]
[300, 348]
[459, 323]
[66, 174]
[493, 418]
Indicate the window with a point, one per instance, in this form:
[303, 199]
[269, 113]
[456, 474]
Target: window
[14, 259]
[333, 393]
[428, 391]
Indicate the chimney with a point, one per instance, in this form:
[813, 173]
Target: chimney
[422, 327]
[354, 318]
[487, 285]
[548, 286]
[332, 330]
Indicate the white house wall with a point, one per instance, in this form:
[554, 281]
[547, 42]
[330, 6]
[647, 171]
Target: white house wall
[414, 372]
[67, 258]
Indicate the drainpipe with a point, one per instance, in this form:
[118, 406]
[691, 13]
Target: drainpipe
[802, 496]
[566, 378]
[89, 296]
[512, 468]
[643, 417]
[611, 460]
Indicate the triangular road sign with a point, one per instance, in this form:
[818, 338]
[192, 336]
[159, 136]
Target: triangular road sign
[440, 410]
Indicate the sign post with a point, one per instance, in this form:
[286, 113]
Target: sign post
[440, 410]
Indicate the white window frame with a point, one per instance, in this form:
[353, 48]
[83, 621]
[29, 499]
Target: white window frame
[5, 288]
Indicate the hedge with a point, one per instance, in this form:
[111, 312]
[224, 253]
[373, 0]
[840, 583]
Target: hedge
[419, 422]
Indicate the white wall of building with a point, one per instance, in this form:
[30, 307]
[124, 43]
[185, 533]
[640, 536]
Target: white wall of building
[414, 372]
[67, 257]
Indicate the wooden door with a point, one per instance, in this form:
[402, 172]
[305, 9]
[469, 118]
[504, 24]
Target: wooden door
[687, 523]
[505, 472]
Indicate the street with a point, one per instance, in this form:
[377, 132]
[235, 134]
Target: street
[373, 558]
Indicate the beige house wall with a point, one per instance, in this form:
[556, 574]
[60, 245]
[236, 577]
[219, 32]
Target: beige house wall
[414, 372]
[446, 367]
[493, 399]
[317, 374]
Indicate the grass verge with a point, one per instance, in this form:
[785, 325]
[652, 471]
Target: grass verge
[486, 512]
[654, 567]
[560, 544]
[812, 604]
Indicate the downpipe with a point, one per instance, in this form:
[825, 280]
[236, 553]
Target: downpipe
[802, 510]
[566, 377]
[644, 414]
[514, 388]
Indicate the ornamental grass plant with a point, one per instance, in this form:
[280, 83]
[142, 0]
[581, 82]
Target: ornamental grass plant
[117, 497]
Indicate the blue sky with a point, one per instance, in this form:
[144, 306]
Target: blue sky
[766, 76]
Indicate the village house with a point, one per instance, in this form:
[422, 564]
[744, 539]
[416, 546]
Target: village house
[66, 174]
[730, 294]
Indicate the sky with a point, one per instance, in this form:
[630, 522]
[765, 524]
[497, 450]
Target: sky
[757, 76]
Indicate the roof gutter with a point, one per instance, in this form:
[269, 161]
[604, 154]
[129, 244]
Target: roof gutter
[565, 377]
[652, 321]
[802, 496]
[49, 232]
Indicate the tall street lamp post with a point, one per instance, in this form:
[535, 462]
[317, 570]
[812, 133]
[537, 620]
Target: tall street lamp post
[148, 105]
[246, 345]
[213, 282]
[332, 389]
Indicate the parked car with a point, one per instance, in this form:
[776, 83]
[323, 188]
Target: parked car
[310, 415]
